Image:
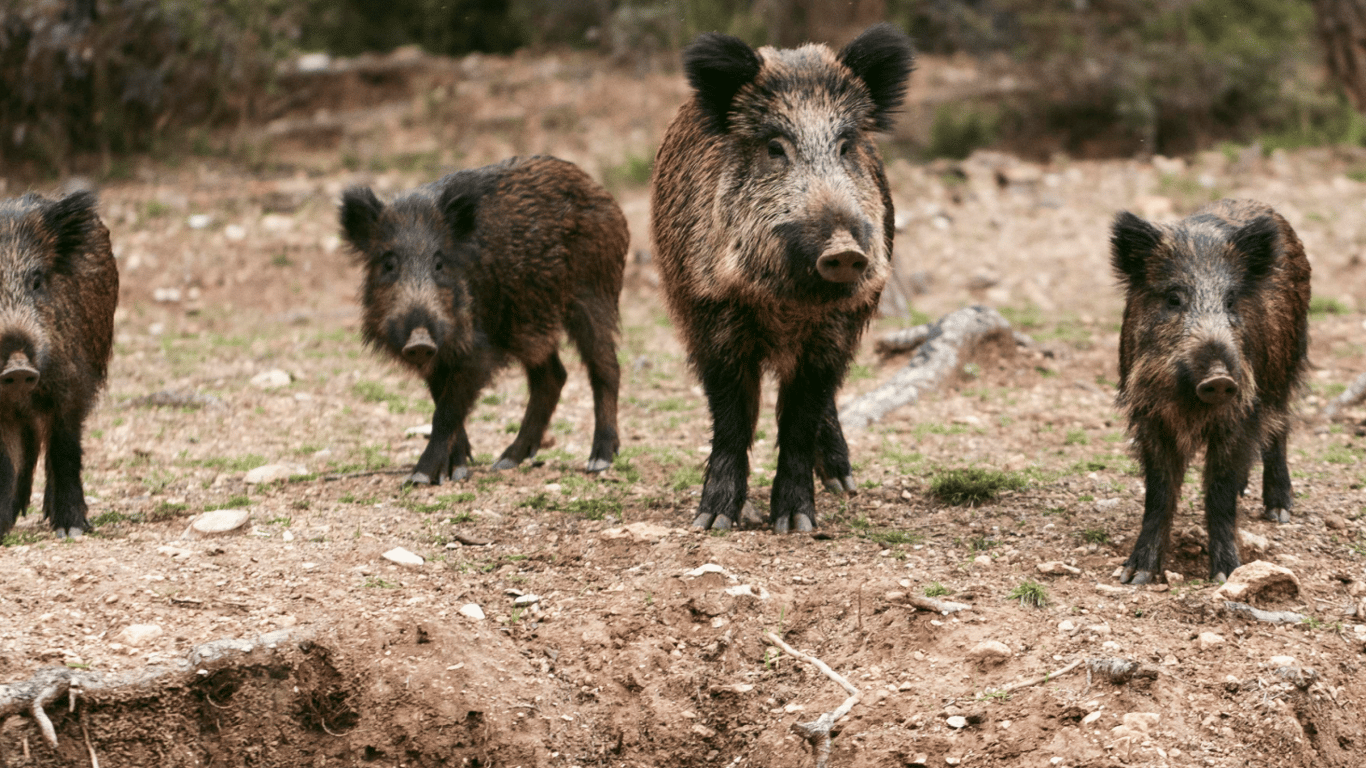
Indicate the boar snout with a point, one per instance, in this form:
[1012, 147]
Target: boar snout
[420, 347]
[18, 378]
[842, 260]
[1218, 387]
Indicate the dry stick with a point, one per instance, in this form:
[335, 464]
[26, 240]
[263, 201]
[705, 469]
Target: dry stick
[944, 607]
[47, 684]
[817, 732]
[939, 355]
[1351, 396]
[94, 761]
[1043, 678]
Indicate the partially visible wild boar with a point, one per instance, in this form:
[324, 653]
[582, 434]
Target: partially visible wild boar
[59, 286]
[1212, 350]
[486, 266]
[773, 223]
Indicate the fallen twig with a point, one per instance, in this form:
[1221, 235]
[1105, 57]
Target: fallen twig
[1270, 617]
[1043, 678]
[1118, 671]
[817, 732]
[1354, 394]
[94, 761]
[46, 685]
[941, 352]
[944, 607]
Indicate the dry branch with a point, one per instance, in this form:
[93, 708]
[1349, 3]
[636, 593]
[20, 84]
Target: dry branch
[944, 607]
[817, 732]
[1270, 617]
[48, 684]
[942, 348]
[1043, 678]
[1351, 396]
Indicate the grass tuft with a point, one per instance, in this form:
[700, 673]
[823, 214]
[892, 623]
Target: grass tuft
[973, 485]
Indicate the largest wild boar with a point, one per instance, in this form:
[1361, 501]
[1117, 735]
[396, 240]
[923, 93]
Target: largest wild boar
[1211, 351]
[486, 266]
[772, 223]
[59, 285]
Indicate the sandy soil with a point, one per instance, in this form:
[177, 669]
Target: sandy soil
[624, 659]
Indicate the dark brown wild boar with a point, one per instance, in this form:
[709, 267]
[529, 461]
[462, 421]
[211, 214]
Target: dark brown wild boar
[486, 266]
[59, 286]
[772, 223]
[1212, 350]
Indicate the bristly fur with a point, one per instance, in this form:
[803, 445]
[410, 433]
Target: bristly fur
[1222, 293]
[772, 162]
[59, 286]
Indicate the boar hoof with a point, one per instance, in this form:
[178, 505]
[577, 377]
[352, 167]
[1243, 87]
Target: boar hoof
[74, 533]
[1219, 578]
[420, 478]
[1276, 515]
[705, 520]
[459, 473]
[782, 524]
[598, 465]
[804, 523]
[504, 463]
[1131, 576]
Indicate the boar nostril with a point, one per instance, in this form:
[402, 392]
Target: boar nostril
[19, 377]
[420, 347]
[1217, 389]
[842, 266]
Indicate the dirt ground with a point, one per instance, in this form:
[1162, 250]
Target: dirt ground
[616, 655]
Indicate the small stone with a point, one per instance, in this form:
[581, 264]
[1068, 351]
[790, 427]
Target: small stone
[421, 430]
[1143, 722]
[527, 600]
[703, 731]
[199, 220]
[1276, 662]
[402, 556]
[272, 379]
[1107, 504]
[1253, 541]
[1057, 568]
[990, 652]
[706, 568]
[1210, 640]
[1108, 589]
[640, 531]
[235, 232]
[745, 590]
[1259, 579]
[1173, 577]
[1066, 626]
[472, 611]
[1334, 522]
[957, 721]
[920, 760]
[137, 635]
[1091, 718]
[274, 473]
[982, 560]
[220, 521]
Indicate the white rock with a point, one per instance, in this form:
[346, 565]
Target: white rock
[235, 232]
[1055, 567]
[273, 473]
[982, 560]
[1253, 541]
[199, 220]
[640, 531]
[990, 652]
[272, 379]
[1106, 504]
[1066, 626]
[313, 62]
[421, 430]
[136, 635]
[745, 589]
[166, 295]
[472, 611]
[706, 568]
[1210, 640]
[1143, 722]
[1256, 579]
[957, 721]
[220, 521]
[402, 556]
[526, 599]
[1276, 662]
[1091, 718]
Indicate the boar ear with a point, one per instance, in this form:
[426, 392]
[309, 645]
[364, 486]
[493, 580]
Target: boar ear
[1259, 245]
[718, 66]
[70, 220]
[459, 205]
[360, 211]
[882, 58]
[1132, 240]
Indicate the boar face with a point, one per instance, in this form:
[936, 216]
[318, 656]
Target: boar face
[798, 201]
[415, 252]
[1196, 295]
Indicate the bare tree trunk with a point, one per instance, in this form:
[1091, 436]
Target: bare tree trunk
[1342, 29]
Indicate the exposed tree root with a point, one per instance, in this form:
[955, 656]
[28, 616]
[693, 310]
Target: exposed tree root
[941, 349]
[47, 685]
[817, 732]
[1257, 614]
[1351, 396]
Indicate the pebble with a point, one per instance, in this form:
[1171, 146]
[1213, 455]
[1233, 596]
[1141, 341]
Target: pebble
[527, 600]
[235, 232]
[1210, 640]
[1258, 578]
[220, 521]
[1106, 504]
[271, 379]
[1091, 718]
[273, 473]
[1334, 522]
[641, 531]
[402, 556]
[1057, 568]
[702, 570]
[472, 611]
[1253, 541]
[135, 635]
[199, 220]
[1143, 722]
[421, 430]
[982, 560]
[1276, 662]
[990, 652]
[1066, 626]
[957, 721]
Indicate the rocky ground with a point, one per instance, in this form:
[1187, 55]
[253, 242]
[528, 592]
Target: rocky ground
[559, 619]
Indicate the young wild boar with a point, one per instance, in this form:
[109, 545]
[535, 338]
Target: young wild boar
[772, 223]
[1212, 349]
[59, 285]
[486, 266]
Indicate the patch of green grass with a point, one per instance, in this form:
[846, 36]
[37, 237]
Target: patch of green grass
[1076, 437]
[634, 172]
[996, 695]
[464, 497]
[686, 477]
[892, 536]
[235, 502]
[491, 400]
[1322, 306]
[375, 582]
[593, 509]
[110, 518]
[1030, 593]
[374, 392]
[626, 469]
[935, 589]
[961, 127]
[1337, 453]
[1095, 536]
[167, 511]
[230, 463]
[512, 427]
[859, 372]
[20, 538]
[539, 501]
[973, 485]
[351, 498]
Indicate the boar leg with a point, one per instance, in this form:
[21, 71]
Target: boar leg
[1226, 464]
[1276, 492]
[832, 453]
[448, 449]
[1164, 467]
[592, 334]
[802, 404]
[732, 386]
[8, 513]
[544, 382]
[23, 481]
[64, 498]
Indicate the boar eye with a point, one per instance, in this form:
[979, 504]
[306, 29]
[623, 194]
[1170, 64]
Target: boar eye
[1174, 299]
[37, 281]
[388, 264]
[844, 148]
[775, 149]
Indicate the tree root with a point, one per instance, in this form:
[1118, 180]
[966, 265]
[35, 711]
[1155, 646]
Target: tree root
[47, 685]
[944, 607]
[1351, 396]
[941, 348]
[817, 732]
[1042, 678]
[1257, 614]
